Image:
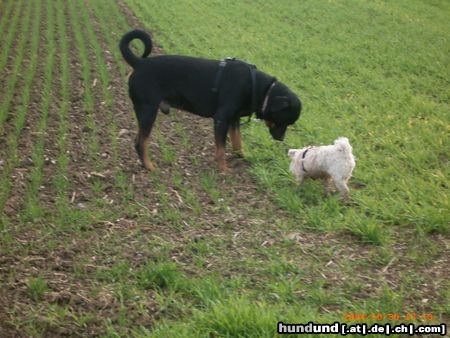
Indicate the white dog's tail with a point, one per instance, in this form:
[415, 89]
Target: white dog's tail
[343, 144]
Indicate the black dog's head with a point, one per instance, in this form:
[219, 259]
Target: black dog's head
[283, 109]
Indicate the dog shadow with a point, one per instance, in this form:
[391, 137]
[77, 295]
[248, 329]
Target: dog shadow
[311, 193]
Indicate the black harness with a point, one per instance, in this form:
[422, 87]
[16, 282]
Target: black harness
[252, 69]
[222, 65]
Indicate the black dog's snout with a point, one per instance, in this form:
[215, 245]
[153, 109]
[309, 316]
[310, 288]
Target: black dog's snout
[278, 132]
[278, 138]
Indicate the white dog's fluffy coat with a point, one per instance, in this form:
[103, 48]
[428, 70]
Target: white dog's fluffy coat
[334, 162]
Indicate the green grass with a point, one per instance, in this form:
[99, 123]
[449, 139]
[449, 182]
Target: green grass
[37, 287]
[159, 276]
[232, 317]
[209, 183]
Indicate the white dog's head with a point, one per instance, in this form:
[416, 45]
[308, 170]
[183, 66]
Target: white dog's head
[292, 152]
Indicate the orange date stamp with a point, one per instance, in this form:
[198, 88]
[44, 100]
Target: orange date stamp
[394, 316]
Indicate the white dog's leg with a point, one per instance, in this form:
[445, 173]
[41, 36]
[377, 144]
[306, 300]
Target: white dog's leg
[299, 179]
[327, 186]
[341, 185]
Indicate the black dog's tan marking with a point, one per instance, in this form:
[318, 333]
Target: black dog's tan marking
[192, 84]
[235, 138]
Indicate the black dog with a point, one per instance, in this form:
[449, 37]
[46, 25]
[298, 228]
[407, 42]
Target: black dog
[224, 90]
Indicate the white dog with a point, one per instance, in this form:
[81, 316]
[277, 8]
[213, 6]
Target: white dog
[334, 162]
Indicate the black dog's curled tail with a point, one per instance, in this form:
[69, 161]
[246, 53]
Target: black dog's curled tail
[124, 46]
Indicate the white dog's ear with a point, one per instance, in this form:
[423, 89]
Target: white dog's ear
[291, 152]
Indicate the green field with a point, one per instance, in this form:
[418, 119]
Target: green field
[93, 245]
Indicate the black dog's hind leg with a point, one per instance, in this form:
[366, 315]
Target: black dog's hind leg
[146, 115]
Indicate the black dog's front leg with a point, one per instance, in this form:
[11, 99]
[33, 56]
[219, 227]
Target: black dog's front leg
[235, 138]
[220, 136]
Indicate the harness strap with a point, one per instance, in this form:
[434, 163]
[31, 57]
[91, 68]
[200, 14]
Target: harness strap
[253, 74]
[252, 69]
[222, 65]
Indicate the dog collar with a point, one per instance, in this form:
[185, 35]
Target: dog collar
[266, 99]
[262, 112]
[303, 157]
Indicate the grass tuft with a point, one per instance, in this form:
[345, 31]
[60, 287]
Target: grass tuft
[159, 276]
[36, 288]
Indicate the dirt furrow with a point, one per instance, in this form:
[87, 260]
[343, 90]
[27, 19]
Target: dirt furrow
[13, 74]
[57, 268]
[4, 15]
[24, 137]
[49, 137]
[8, 34]
[80, 134]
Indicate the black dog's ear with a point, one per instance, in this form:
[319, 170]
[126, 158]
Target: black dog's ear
[279, 102]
